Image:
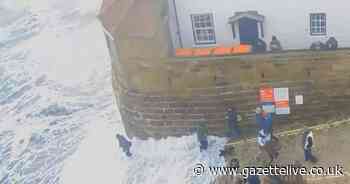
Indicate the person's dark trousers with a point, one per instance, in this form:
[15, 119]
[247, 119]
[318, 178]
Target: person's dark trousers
[203, 144]
[253, 179]
[127, 151]
[236, 133]
[234, 130]
[308, 155]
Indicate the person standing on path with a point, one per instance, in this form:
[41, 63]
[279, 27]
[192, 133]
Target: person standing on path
[308, 143]
[202, 136]
[232, 120]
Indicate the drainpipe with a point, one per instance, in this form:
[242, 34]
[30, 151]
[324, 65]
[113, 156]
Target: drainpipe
[178, 33]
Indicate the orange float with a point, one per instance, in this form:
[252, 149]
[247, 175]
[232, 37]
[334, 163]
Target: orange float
[201, 52]
[184, 52]
[221, 51]
[242, 49]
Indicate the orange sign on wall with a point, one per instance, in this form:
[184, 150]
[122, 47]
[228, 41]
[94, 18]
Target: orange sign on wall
[266, 95]
[282, 104]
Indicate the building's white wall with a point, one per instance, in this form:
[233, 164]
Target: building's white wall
[287, 19]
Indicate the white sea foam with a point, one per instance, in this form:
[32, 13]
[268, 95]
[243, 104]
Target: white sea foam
[58, 118]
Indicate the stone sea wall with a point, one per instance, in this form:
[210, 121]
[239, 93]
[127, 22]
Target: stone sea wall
[173, 98]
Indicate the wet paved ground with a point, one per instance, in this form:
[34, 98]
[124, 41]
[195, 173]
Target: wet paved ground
[332, 147]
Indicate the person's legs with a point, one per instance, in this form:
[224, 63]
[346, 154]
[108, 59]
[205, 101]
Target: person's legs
[235, 133]
[128, 153]
[307, 154]
[273, 137]
[126, 150]
[312, 158]
[253, 179]
[203, 144]
[276, 146]
[268, 150]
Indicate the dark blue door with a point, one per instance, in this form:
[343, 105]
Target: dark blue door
[248, 30]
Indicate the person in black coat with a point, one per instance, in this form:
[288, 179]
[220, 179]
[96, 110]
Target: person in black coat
[308, 143]
[332, 43]
[275, 44]
[259, 46]
[231, 117]
[124, 144]
[202, 136]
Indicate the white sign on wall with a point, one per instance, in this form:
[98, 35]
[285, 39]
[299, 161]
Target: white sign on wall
[299, 99]
[281, 98]
[281, 94]
[282, 110]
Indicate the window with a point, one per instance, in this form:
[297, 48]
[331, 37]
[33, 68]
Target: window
[318, 24]
[203, 28]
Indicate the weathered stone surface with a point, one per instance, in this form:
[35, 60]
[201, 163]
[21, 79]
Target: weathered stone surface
[325, 96]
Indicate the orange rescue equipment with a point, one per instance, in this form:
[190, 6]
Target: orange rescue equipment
[184, 52]
[200, 52]
[221, 51]
[242, 49]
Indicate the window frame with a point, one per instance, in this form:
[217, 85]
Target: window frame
[262, 33]
[234, 34]
[320, 27]
[194, 29]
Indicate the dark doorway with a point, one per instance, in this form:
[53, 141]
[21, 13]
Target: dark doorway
[248, 30]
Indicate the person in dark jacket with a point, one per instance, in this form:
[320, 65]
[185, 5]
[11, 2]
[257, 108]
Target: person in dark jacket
[231, 117]
[275, 44]
[259, 46]
[202, 136]
[308, 143]
[332, 43]
[124, 144]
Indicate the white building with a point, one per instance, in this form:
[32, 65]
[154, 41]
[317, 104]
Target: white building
[296, 23]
